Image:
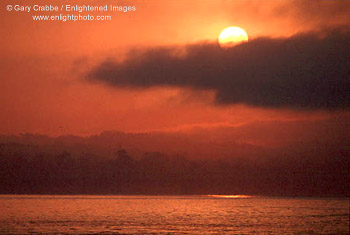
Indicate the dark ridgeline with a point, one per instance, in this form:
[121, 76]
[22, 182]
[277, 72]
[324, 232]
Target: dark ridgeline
[25, 169]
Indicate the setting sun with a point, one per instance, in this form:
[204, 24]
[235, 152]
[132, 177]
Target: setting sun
[232, 36]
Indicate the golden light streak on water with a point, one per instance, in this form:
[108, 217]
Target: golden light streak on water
[230, 196]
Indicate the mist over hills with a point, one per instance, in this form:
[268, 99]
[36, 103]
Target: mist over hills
[106, 143]
[170, 163]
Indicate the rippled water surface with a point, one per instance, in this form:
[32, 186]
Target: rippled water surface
[172, 215]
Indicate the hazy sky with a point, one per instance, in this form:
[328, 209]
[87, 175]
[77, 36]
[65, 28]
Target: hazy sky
[83, 78]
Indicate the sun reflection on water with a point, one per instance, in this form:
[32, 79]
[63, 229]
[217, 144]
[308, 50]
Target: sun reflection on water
[230, 196]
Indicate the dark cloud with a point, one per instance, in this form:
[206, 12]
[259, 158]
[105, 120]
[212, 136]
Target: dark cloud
[306, 71]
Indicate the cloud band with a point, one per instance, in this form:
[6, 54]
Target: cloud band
[306, 71]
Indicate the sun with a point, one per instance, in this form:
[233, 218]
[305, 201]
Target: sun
[232, 36]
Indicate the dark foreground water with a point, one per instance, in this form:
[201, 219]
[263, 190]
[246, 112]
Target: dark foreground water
[172, 215]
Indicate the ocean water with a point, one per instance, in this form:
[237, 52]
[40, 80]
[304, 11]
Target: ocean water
[33, 214]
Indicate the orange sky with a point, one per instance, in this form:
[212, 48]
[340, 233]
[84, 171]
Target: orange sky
[43, 89]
